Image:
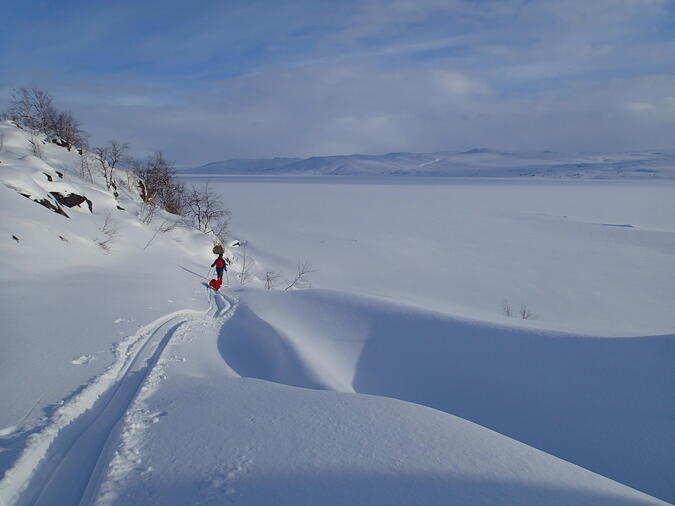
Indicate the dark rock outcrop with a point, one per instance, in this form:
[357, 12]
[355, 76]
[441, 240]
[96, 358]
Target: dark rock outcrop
[48, 204]
[59, 142]
[72, 200]
[142, 191]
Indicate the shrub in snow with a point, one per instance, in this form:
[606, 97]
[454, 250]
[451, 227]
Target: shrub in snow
[33, 109]
[506, 308]
[245, 275]
[85, 165]
[166, 226]
[109, 231]
[108, 157]
[146, 213]
[157, 184]
[35, 146]
[205, 211]
[301, 279]
[272, 279]
[525, 312]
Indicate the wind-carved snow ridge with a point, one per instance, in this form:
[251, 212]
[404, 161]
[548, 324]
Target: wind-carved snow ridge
[74, 411]
[127, 457]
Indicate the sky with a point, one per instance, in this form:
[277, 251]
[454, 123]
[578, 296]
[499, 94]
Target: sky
[212, 80]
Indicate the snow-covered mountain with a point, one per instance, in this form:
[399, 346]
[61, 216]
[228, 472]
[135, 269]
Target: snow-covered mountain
[472, 163]
[126, 380]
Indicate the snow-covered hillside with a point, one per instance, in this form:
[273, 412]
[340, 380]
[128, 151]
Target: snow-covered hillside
[126, 380]
[74, 291]
[471, 163]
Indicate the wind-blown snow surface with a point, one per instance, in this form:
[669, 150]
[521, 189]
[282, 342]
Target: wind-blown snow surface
[590, 258]
[127, 381]
[471, 163]
[586, 256]
[224, 437]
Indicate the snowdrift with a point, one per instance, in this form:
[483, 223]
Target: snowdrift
[601, 403]
[251, 440]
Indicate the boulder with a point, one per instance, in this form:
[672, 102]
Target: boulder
[72, 200]
[48, 204]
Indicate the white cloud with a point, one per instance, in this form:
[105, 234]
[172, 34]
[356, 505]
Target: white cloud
[342, 109]
[640, 106]
[460, 83]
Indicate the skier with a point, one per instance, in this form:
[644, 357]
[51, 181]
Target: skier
[220, 265]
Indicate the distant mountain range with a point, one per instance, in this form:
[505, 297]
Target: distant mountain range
[478, 162]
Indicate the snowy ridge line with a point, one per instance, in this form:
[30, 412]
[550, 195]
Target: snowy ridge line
[471, 163]
[16, 479]
[121, 453]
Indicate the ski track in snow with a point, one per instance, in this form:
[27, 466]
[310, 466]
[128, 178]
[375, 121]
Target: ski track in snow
[122, 452]
[76, 441]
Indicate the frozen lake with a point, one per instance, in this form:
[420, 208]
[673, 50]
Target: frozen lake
[592, 256]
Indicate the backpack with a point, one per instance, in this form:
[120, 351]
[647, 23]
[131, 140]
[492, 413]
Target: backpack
[220, 263]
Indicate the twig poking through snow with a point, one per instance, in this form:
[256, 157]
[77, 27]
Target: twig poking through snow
[109, 229]
[302, 276]
[271, 279]
[525, 312]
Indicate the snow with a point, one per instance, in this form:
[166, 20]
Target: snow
[259, 442]
[397, 380]
[516, 382]
[463, 246]
[62, 295]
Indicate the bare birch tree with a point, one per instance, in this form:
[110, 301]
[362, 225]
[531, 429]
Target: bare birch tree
[245, 274]
[525, 312]
[116, 152]
[272, 279]
[35, 143]
[205, 209]
[301, 279]
[101, 154]
[109, 231]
